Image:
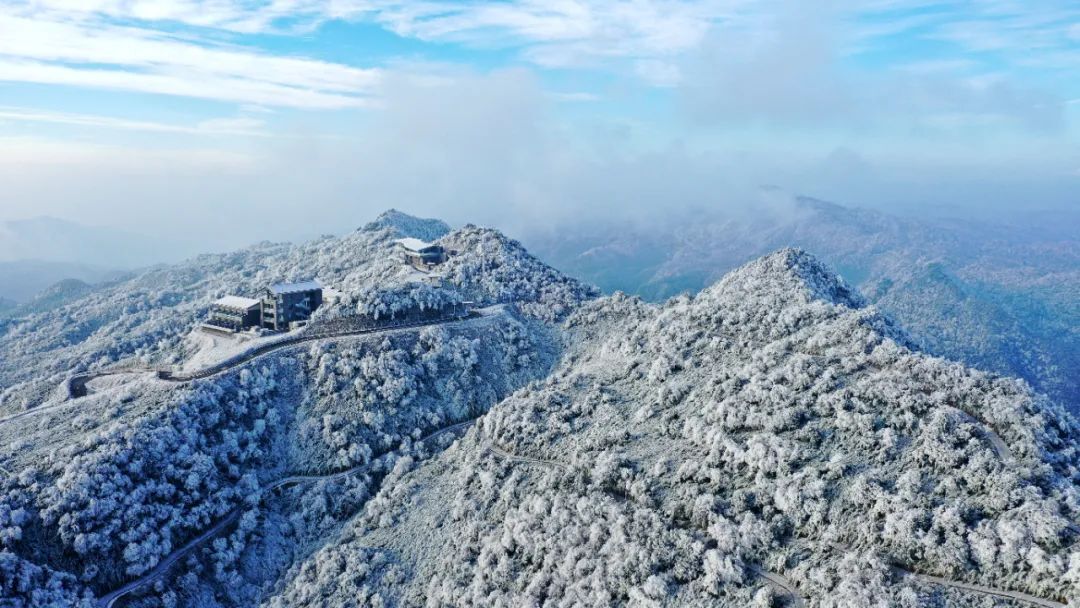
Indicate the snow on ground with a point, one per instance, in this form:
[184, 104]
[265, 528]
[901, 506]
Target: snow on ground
[622, 453]
[209, 348]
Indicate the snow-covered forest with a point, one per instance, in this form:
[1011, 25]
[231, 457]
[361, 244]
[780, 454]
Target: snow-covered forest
[771, 423]
[771, 441]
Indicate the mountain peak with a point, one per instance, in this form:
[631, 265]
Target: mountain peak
[406, 225]
[788, 272]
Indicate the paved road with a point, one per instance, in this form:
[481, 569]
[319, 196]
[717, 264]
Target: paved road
[780, 582]
[109, 600]
[1000, 447]
[266, 349]
[77, 384]
[500, 453]
[1016, 596]
[980, 589]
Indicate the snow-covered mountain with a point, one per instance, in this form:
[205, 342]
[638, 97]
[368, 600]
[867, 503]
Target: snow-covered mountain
[1001, 298]
[425, 229]
[771, 441]
[683, 454]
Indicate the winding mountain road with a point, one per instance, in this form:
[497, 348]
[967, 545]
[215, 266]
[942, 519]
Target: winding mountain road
[266, 349]
[780, 582]
[504, 455]
[980, 589]
[109, 599]
[76, 385]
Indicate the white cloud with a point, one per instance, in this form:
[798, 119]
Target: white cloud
[564, 32]
[242, 126]
[551, 32]
[658, 73]
[649, 36]
[127, 58]
[486, 148]
[787, 71]
[574, 96]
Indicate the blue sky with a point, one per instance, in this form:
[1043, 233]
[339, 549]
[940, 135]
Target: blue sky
[119, 111]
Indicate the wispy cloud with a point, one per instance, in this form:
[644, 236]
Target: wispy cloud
[590, 30]
[136, 59]
[574, 96]
[243, 126]
[648, 37]
[551, 33]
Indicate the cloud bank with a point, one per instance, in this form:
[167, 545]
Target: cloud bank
[224, 122]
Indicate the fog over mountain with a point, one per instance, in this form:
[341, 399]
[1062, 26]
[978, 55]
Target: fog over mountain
[773, 440]
[22, 280]
[49, 239]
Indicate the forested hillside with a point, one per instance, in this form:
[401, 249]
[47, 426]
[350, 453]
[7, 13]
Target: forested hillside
[774, 440]
[772, 425]
[1002, 298]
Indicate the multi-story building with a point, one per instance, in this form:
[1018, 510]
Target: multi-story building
[234, 313]
[284, 304]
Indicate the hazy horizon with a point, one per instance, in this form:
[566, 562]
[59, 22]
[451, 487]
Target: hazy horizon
[219, 124]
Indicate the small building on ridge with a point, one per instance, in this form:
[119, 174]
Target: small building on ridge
[422, 255]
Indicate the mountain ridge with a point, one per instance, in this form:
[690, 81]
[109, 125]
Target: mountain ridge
[772, 440]
[1010, 276]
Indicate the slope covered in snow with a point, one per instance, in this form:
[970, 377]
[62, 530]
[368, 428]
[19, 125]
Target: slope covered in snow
[409, 226]
[771, 441]
[146, 319]
[97, 490]
[1021, 279]
[772, 424]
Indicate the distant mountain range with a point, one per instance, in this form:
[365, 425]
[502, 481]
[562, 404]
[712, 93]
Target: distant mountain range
[54, 240]
[22, 280]
[37, 254]
[1001, 298]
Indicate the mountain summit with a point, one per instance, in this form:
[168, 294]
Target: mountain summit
[790, 273]
[409, 226]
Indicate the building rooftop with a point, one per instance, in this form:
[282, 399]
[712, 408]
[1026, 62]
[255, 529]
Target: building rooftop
[237, 302]
[414, 244]
[283, 288]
